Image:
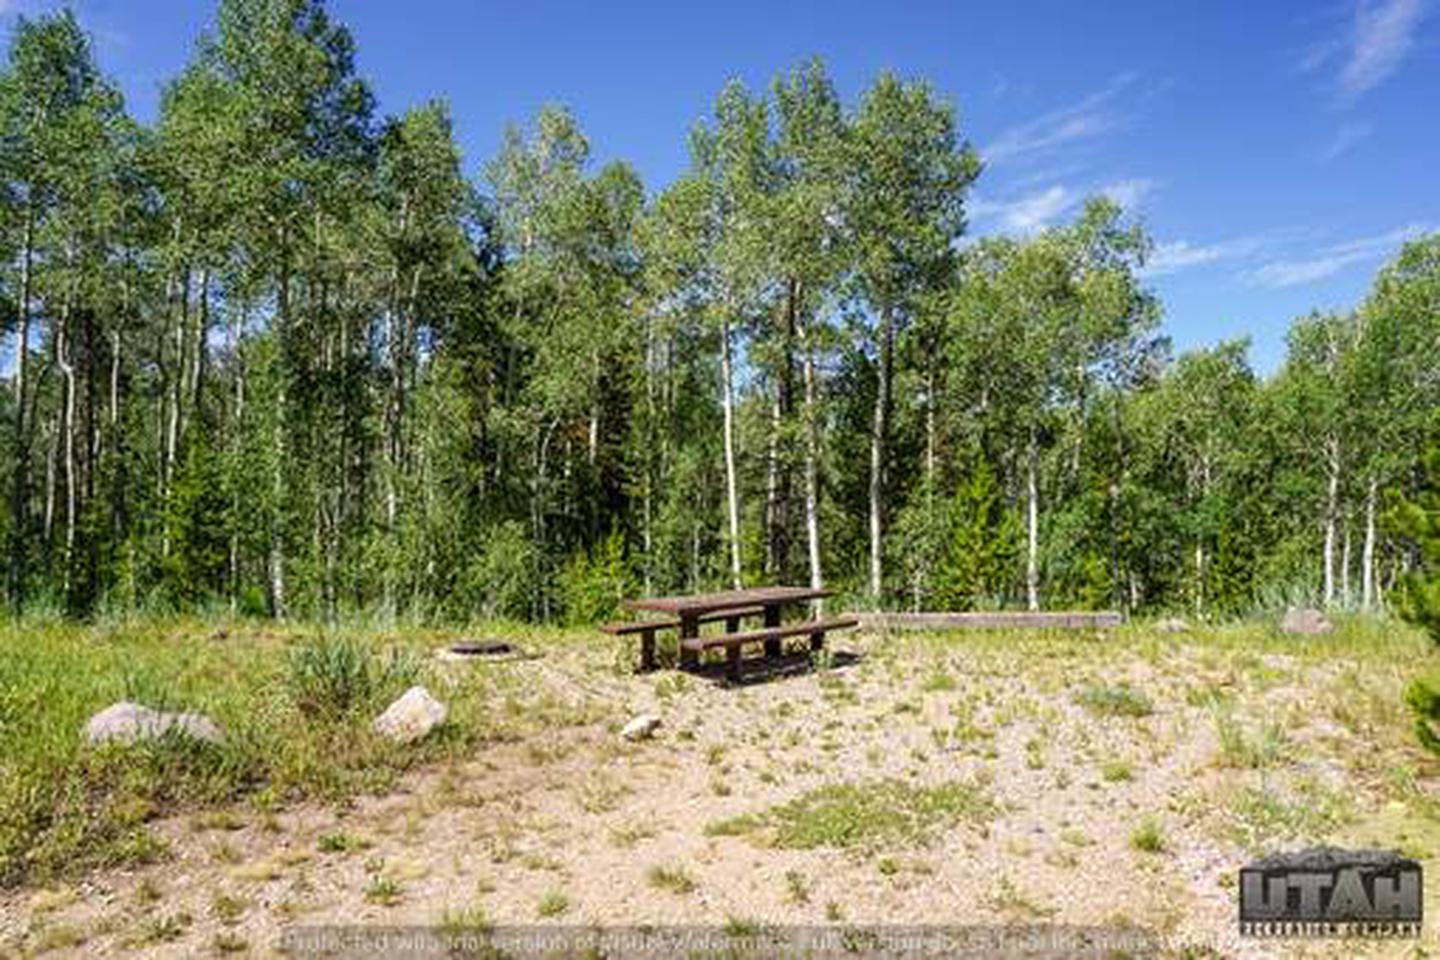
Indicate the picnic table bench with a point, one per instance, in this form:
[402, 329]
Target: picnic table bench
[687, 613]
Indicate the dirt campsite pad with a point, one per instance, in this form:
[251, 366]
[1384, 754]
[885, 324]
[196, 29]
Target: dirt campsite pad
[977, 778]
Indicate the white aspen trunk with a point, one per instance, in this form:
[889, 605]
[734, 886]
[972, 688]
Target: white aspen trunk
[812, 466]
[67, 370]
[878, 436]
[202, 331]
[772, 486]
[930, 426]
[1332, 496]
[1345, 566]
[51, 454]
[1199, 576]
[1367, 554]
[277, 533]
[172, 429]
[1032, 524]
[1200, 539]
[648, 520]
[731, 490]
[592, 450]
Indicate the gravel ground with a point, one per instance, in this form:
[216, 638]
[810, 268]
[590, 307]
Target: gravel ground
[1123, 781]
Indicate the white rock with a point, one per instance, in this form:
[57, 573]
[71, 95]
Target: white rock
[411, 717]
[642, 727]
[1305, 620]
[126, 722]
[1172, 625]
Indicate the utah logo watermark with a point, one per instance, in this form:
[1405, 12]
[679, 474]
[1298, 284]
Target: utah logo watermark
[1326, 892]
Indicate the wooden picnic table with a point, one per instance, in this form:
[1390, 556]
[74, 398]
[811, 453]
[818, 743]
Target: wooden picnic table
[730, 605]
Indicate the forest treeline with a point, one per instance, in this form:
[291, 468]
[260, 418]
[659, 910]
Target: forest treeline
[280, 353]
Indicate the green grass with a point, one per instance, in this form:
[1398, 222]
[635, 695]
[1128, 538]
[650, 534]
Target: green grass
[1262, 818]
[383, 890]
[672, 879]
[552, 904]
[1116, 771]
[66, 807]
[888, 811]
[1115, 701]
[1148, 836]
[1245, 748]
[737, 826]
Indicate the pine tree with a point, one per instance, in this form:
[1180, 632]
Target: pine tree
[1418, 518]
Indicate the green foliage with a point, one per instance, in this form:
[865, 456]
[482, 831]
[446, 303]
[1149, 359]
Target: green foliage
[276, 352]
[1422, 698]
[1148, 837]
[984, 544]
[329, 676]
[594, 582]
[195, 528]
[849, 815]
[1418, 518]
[500, 579]
[1119, 700]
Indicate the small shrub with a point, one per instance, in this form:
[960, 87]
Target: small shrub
[552, 904]
[939, 682]
[230, 943]
[331, 676]
[1422, 697]
[1148, 837]
[384, 890]
[1241, 749]
[1116, 771]
[673, 879]
[337, 843]
[737, 826]
[1115, 701]
[848, 815]
[740, 928]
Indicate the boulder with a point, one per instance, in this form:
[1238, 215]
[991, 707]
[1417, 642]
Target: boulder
[1172, 625]
[126, 722]
[411, 717]
[1305, 620]
[642, 727]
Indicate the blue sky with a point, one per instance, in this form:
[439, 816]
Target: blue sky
[1278, 152]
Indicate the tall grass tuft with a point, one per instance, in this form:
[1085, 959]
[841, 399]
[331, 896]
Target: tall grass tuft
[330, 677]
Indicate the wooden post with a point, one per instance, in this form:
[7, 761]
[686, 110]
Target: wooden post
[772, 619]
[647, 650]
[689, 627]
[732, 659]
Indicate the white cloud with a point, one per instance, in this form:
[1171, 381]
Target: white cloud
[1176, 255]
[1131, 193]
[1087, 118]
[1371, 46]
[1034, 210]
[1384, 34]
[1345, 138]
[1029, 212]
[1328, 261]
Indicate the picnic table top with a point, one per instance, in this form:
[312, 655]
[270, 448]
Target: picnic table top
[702, 603]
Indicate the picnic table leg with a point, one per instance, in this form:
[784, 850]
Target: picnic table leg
[647, 650]
[689, 627]
[732, 662]
[817, 642]
[772, 619]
